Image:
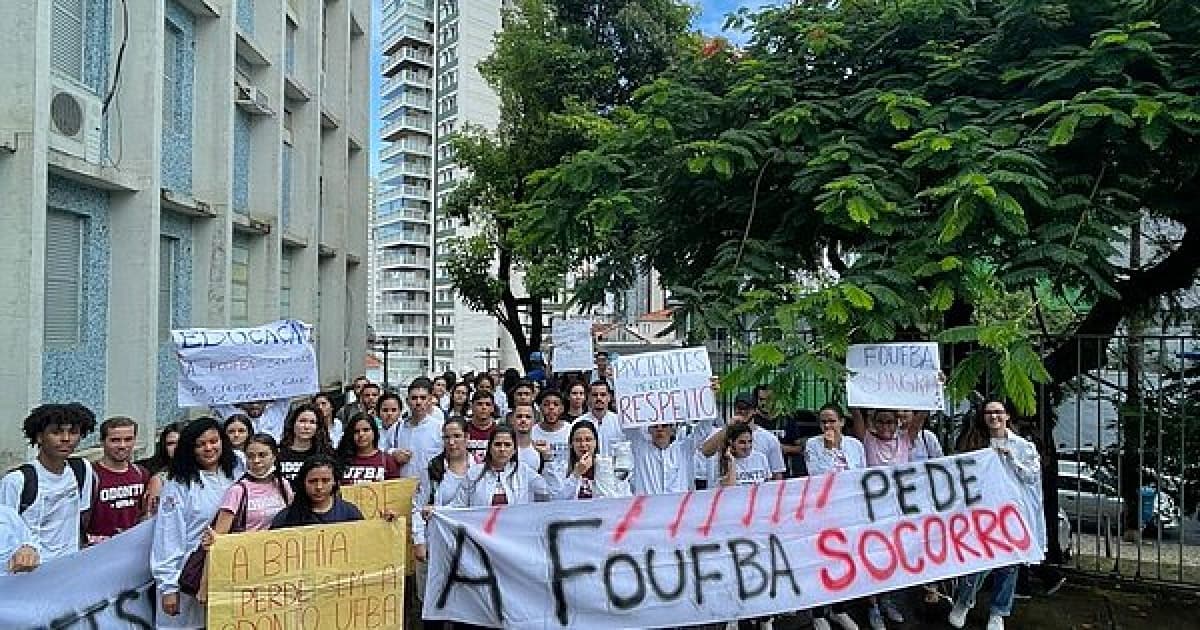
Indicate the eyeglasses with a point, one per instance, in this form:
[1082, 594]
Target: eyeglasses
[993, 412]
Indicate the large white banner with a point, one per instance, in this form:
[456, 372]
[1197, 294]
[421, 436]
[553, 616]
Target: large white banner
[894, 376]
[733, 552]
[572, 344]
[108, 586]
[669, 387]
[228, 366]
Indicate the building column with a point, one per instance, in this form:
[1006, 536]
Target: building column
[24, 121]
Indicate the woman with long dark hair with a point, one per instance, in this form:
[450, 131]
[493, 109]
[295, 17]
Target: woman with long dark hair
[239, 429]
[501, 479]
[317, 499]
[740, 463]
[589, 474]
[990, 430]
[159, 463]
[359, 456]
[438, 485]
[203, 468]
[329, 421]
[460, 400]
[303, 437]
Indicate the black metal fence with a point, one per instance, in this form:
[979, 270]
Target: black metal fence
[1121, 446]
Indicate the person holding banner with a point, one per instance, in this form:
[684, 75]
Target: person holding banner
[359, 456]
[317, 501]
[502, 479]
[664, 462]
[438, 485]
[251, 503]
[1020, 457]
[204, 467]
[590, 475]
[885, 444]
[832, 452]
[303, 437]
[19, 549]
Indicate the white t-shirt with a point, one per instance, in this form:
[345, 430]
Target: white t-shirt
[270, 422]
[54, 515]
[609, 430]
[424, 440]
[560, 448]
[820, 460]
[766, 443]
[751, 469]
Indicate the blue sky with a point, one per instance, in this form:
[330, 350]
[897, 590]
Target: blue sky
[709, 21]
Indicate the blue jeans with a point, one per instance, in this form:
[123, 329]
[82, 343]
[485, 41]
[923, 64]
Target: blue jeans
[1003, 588]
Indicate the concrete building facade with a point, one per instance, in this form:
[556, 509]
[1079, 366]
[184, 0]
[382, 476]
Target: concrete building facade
[175, 164]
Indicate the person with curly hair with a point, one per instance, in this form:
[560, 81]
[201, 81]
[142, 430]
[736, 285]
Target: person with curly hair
[53, 492]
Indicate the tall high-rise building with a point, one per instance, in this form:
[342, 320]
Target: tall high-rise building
[402, 227]
[173, 164]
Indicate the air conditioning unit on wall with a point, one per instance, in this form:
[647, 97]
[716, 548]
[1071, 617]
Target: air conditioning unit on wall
[253, 100]
[76, 120]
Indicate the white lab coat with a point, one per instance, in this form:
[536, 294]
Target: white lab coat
[521, 484]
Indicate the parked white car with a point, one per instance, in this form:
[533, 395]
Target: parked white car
[1089, 501]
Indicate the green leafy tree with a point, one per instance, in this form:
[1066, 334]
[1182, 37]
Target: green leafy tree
[552, 58]
[872, 169]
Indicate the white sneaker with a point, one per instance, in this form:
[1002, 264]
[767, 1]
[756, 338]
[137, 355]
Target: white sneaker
[819, 623]
[995, 622]
[844, 620]
[958, 616]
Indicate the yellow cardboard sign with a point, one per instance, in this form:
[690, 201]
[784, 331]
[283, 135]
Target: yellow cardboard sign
[348, 575]
[372, 498]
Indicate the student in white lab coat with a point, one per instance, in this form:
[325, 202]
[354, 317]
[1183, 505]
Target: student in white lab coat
[203, 468]
[589, 474]
[501, 479]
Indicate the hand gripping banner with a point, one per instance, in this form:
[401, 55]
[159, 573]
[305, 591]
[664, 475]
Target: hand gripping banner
[732, 552]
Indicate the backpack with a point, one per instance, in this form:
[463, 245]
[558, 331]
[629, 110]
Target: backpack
[29, 487]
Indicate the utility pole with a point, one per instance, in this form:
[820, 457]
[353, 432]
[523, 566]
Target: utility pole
[487, 354]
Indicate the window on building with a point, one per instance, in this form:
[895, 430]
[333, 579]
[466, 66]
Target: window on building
[166, 286]
[67, 37]
[239, 285]
[64, 279]
[285, 285]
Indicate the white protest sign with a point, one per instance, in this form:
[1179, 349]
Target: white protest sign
[572, 344]
[670, 387]
[894, 376]
[107, 586]
[228, 366]
[733, 552]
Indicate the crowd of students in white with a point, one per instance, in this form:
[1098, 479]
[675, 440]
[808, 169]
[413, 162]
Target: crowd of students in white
[279, 464]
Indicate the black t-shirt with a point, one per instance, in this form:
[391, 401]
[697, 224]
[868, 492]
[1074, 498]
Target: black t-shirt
[290, 461]
[797, 428]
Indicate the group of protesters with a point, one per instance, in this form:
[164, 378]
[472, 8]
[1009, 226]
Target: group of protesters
[479, 440]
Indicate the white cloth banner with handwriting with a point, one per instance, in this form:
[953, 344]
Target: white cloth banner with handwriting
[733, 552]
[894, 376]
[108, 586]
[572, 344]
[234, 365]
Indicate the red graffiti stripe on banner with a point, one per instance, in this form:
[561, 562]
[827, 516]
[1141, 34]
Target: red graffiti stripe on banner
[631, 516]
[776, 514]
[712, 512]
[683, 505]
[823, 498]
[490, 524]
[803, 500]
[749, 516]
